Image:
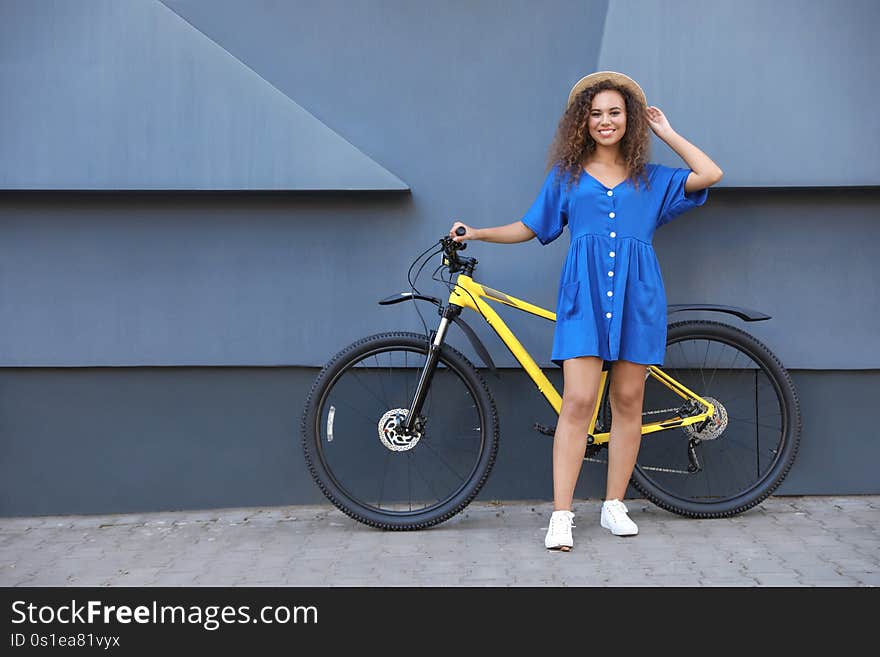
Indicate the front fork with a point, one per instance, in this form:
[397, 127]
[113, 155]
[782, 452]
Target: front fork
[447, 314]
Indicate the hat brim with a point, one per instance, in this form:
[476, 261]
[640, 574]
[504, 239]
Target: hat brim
[599, 76]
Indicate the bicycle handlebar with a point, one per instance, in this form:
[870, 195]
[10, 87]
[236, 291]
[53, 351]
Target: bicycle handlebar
[450, 246]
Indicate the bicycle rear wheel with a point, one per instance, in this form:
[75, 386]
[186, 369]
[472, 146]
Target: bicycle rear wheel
[744, 453]
[376, 474]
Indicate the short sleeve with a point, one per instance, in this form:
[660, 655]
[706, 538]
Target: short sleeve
[670, 182]
[549, 213]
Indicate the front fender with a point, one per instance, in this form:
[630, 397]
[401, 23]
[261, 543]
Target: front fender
[407, 296]
[472, 337]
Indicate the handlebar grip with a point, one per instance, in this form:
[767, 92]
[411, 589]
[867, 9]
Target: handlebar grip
[461, 230]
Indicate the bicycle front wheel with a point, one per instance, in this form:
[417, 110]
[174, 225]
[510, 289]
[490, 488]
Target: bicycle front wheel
[748, 447]
[366, 465]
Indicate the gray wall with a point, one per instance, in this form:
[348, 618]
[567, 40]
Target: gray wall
[124, 94]
[254, 279]
[460, 101]
[779, 92]
[143, 439]
[376, 124]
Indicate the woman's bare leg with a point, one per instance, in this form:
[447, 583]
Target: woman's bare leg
[627, 393]
[580, 389]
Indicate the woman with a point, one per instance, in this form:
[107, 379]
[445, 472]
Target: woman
[611, 304]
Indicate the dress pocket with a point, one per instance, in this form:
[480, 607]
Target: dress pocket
[570, 306]
[646, 293]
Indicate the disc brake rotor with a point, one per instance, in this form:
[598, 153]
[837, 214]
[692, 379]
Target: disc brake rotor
[390, 431]
[714, 427]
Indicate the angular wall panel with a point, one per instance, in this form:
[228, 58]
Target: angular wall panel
[779, 94]
[125, 94]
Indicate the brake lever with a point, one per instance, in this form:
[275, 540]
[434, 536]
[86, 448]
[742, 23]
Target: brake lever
[450, 245]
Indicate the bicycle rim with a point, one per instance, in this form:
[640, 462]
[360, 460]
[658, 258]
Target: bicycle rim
[747, 447]
[381, 472]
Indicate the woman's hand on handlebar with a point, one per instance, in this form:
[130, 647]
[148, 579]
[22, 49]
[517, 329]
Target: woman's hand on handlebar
[469, 233]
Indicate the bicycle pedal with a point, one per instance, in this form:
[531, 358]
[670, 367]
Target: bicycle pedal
[547, 431]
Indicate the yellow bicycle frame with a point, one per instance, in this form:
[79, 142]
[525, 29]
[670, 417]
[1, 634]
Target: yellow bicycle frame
[469, 294]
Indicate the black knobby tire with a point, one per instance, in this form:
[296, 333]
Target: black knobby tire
[340, 492]
[789, 435]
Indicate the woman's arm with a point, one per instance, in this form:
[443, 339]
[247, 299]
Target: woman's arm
[705, 172]
[508, 234]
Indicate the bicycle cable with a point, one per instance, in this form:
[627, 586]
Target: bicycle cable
[441, 279]
[450, 285]
[413, 286]
[413, 264]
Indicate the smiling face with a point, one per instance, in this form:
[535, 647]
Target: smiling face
[607, 121]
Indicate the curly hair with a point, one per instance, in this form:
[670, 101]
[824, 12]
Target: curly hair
[572, 145]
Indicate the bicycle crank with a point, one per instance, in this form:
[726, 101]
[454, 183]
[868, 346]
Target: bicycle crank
[390, 432]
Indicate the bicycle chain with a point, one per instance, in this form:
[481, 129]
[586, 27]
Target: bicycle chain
[649, 467]
[643, 467]
[662, 410]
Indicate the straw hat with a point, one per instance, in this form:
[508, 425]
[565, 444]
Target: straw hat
[617, 78]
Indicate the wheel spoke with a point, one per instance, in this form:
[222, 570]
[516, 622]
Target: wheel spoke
[347, 404]
[381, 401]
[443, 461]
[737, 465]
[428, 484]
[382, 481]
[408, 480]
[757, 424]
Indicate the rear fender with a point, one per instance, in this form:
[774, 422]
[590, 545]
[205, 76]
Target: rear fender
[743, 313]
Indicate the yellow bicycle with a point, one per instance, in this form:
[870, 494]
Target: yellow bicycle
[400, 430]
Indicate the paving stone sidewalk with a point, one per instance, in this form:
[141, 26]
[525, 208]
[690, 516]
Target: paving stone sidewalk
[785, 541]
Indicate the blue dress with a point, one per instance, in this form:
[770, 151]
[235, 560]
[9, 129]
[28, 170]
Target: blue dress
[611, 301]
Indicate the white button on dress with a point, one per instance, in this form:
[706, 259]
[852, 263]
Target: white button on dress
[633, 292]
[608, 315]
[611, 254]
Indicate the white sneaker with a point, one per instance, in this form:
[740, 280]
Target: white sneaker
[559, 532]
[615, 519]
